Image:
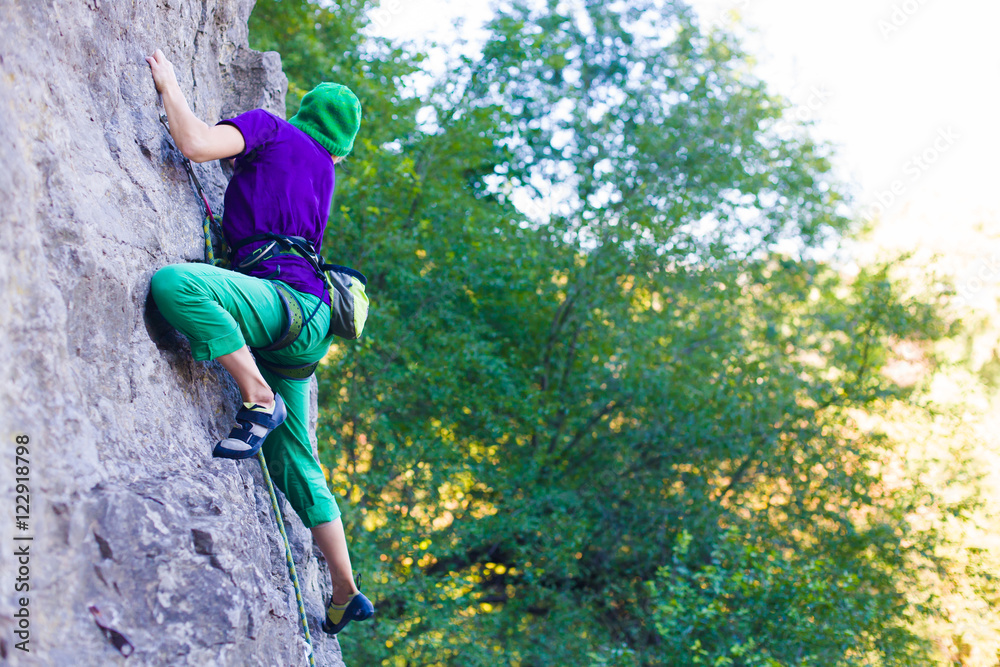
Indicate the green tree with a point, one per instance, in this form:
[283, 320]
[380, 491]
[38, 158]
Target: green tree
[622, 431]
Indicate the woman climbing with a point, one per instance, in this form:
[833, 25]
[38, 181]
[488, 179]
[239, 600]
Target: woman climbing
[282, 185]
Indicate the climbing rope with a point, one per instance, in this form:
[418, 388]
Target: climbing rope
[210, 259]
[209, 216]
[288, 556]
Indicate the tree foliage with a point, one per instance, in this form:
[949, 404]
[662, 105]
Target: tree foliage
[620, 423]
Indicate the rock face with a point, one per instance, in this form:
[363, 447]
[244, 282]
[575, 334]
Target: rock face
[128, 510]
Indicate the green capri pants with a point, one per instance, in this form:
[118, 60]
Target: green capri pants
[220, 311]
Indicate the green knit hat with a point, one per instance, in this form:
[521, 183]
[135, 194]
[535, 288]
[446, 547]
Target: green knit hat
[330, 114]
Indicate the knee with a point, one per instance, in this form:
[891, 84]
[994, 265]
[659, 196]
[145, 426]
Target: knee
[168, 282]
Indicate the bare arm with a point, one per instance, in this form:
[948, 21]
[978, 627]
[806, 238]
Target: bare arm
[197, 140]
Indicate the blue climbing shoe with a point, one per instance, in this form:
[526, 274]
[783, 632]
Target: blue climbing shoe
[358, 608]
[255, 423]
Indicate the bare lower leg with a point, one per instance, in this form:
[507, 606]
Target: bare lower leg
[242, 367]
[331, 541]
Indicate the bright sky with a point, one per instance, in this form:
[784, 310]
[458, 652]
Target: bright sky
[905, 89]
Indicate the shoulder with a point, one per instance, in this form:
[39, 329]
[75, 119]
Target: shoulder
[257, 126]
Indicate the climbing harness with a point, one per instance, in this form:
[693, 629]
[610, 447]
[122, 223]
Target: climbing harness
[210, 259]
[346, 287]
[295, 317]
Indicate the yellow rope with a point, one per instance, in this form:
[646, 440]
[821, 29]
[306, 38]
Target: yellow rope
[288, 556]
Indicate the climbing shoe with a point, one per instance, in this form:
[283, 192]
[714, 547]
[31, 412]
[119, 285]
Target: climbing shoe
[358, 608]
[255, 423]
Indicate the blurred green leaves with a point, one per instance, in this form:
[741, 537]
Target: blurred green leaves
[632, 425]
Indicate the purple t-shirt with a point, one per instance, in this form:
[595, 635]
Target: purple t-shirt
[283, 184]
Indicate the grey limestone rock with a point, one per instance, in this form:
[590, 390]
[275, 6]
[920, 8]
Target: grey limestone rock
[128, 510]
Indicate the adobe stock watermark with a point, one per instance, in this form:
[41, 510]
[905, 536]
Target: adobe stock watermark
[725, 14]
[386, 11]
[913, 170]
[900, 15]
[815, 99]
[984, 273]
